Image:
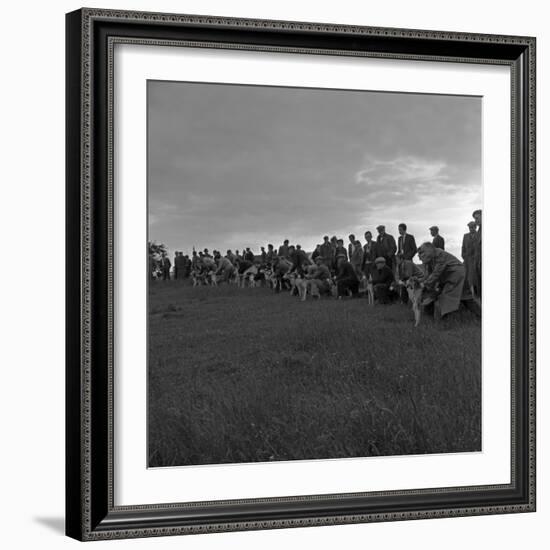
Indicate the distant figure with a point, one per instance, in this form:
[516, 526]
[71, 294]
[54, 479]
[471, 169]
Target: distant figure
[327, 252]
[340, 251]
[316, 253]
[438, 241]
[299, 259]
[179, 266]
[195, 260]
[283, 249]
[187, 267]
[270, 255]
[206, 253]
[470, 248]
[369, 253]
[319, 278]
[356, 258]
[249, 255]
[231, 257]
[382, 281]
[385, 246]
[406, 244]
[443, 280]
[263, 255]
[346, 278]
[165, 266]
[351, 245]
[476, 214]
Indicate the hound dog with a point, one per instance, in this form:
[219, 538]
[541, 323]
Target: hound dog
[366, 287]
[414, 291]
[297, 284]
[213, 278]
[197, 277]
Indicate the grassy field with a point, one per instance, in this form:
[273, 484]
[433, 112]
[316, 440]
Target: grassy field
[246, 375]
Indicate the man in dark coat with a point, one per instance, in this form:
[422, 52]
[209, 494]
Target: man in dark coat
[369, 254]
[299, 259]
[165, 266]
[340, 250]
[443, 280]
[406, 244]
[351, 245]
[179, 266]
[469, 255]
[249, 255]
[382, 281]
[270, 255]
[386, 247]
[327, 252]
[438, 241]
[346, 278]
[283, 249]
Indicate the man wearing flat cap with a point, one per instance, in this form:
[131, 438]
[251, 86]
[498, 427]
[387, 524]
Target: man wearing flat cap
[470, 246]
[382, 281]
[438, 241]
[386, 247]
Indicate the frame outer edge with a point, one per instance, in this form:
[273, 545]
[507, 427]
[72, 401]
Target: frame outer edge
[79, 264]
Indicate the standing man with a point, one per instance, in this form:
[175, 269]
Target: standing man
[386, 247]
[299, 259]
[351, 245]
[406, 244]
[263, 255]
[369, 254]
[469, 255]
[165, 266]
[438, 241]
[356, 258]
[179, 266]
[327, 252]
[249, 255]
[283, 249]
[270, 256]
[341, 250]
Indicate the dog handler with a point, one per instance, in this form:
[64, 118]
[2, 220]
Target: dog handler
[445, 271]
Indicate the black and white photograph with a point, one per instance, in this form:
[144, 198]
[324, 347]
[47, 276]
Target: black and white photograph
[314, 269]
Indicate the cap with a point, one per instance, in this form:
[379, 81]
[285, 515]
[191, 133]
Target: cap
[380, 260]
[381, 227]
[471, 224]
[434, 227]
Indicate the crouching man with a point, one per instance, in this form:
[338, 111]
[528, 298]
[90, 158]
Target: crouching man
[226, 269]
[319, 278]
[346, 278]
[382, 281]
[443, 280]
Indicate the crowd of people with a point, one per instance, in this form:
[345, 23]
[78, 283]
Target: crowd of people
[384, 263]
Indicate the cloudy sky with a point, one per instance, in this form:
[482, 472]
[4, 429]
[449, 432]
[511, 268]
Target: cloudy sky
[234, 166]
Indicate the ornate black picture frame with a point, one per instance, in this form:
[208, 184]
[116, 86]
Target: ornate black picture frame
[90, 510]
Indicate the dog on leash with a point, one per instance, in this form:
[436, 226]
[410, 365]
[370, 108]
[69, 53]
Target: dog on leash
[414, 291]
[213, 278]
[297, 284]
[366, 288]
